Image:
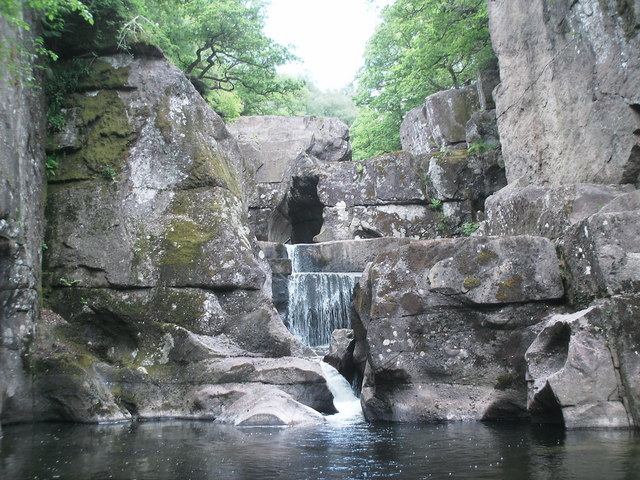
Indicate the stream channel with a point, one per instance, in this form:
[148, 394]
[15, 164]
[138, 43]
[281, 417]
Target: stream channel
[346, 447]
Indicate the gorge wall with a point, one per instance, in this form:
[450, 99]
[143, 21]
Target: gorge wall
[466, 328]
[22, 189]
[157, 297]
[568, 106]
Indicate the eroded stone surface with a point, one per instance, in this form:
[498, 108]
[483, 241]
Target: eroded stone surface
[573, 369]
[568, 103]
[22, 187]
[152, 263]
[429, 352]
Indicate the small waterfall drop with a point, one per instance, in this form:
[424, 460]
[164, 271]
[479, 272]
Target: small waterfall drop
[347, 404]
[319, 302]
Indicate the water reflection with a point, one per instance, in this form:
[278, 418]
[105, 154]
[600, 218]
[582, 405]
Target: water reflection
[200, 450]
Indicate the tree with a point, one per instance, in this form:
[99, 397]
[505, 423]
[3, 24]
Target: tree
[220, 45]
[421, 47]
[18, 59]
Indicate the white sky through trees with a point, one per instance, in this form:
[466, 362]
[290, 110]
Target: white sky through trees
[328, 35]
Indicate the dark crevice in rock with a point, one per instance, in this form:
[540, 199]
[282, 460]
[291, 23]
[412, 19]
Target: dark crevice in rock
[298, 217]
[546, 409]
[631, 172]
[305, 209]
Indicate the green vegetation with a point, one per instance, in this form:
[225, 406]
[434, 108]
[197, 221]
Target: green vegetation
[480, 147]
[109, 173]
[69, 283]
[435, 204]
[469, 227]
[18, 60]
[421, 47]
[52, 164]
[63, 81]
[219, 44]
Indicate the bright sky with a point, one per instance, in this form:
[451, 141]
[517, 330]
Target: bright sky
[328, 35]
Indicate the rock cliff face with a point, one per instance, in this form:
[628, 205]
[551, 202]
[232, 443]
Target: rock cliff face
[568, 106]
[442, 326]
[276, 147]
[470, 328]
[160, 295]
[21, 224]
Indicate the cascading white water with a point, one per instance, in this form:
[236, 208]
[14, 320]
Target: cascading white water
[347, 404]
[319, 302]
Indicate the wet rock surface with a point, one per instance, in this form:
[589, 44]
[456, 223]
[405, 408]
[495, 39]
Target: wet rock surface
[152, 264]
[444, 324]
[574, 368]
[22, 189]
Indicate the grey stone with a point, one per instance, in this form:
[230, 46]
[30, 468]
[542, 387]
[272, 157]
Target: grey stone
[268, 407]
[482, 128]
[343, 256]
[22, 190]
[551, 211]
[413, 136]
[340, 354]
[430, 353]
[440, 123]
[272, 143]
[487, 80]
[572, 375]
[602, 256]
[569, 99]
[457, 176]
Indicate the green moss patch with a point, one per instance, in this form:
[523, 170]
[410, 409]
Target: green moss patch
[470, 283]
[184, 242]
[510, 289]
[486, 256]
[103, 76]
[107, 136]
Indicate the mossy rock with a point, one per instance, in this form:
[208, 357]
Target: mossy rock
[185, 241]
[107, 134]
[470, 283]
[104, 76]
[510, 289]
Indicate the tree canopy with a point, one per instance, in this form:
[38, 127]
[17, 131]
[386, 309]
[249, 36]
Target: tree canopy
[420, 47]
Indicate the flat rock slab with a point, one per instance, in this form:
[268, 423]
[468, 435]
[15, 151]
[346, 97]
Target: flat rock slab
[490, 271]
[255, 405]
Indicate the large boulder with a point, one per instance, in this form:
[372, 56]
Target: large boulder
[594, 226]
[274, 148]
[272, 143]
[439, 124]
[582, 369]
[602, 256]
[550, 211]
[568, 106]
[266, 406]
[22, 188]
[151, 261]
[392, 195]
[442, 327]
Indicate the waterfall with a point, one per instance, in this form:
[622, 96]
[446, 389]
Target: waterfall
[347, 404]
[319, 302]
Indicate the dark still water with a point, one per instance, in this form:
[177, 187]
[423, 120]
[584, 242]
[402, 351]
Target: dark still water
[199, 450]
